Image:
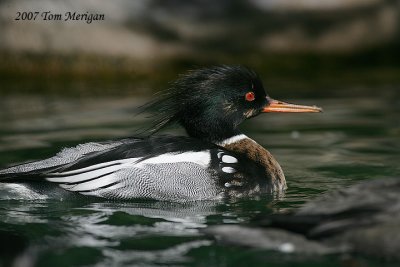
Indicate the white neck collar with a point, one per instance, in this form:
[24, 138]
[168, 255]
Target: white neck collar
[232, 139]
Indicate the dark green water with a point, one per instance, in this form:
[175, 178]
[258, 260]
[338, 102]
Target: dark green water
[354, 139]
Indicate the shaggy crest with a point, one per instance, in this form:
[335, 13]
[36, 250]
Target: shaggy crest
[194, 92]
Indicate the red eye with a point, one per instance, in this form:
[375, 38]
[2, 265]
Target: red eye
[249, 96]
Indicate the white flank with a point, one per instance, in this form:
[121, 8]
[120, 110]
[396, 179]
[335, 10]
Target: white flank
[95, 193]
[233, 139]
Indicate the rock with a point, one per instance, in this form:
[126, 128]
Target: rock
[363, 218]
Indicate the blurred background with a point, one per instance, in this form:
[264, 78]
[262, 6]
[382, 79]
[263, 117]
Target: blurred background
[63, 83]
[300, 47]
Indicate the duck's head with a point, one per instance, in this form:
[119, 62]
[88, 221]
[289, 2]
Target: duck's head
[211, 103]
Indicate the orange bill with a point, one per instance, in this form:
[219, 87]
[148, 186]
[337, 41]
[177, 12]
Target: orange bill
[279, 106]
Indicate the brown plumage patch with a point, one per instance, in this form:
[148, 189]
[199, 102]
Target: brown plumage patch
[257, 153]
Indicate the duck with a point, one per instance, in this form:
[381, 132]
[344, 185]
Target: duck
[213, 161]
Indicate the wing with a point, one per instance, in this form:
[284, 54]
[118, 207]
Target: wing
[34, 170]
[87, 155]
[168, 168]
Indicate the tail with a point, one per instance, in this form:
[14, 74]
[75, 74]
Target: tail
[18, 177]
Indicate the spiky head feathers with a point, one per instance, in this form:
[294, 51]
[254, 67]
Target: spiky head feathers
[210, 103]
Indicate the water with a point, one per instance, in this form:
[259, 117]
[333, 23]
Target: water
[354, 139]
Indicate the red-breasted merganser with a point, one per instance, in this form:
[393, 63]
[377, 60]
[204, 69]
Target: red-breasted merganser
[214, 161]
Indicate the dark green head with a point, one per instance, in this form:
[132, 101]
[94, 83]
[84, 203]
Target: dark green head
[211, 103]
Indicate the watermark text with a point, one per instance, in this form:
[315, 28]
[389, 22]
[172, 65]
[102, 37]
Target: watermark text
[52, 16]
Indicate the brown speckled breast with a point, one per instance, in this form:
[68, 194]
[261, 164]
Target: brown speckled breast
[258, 154]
